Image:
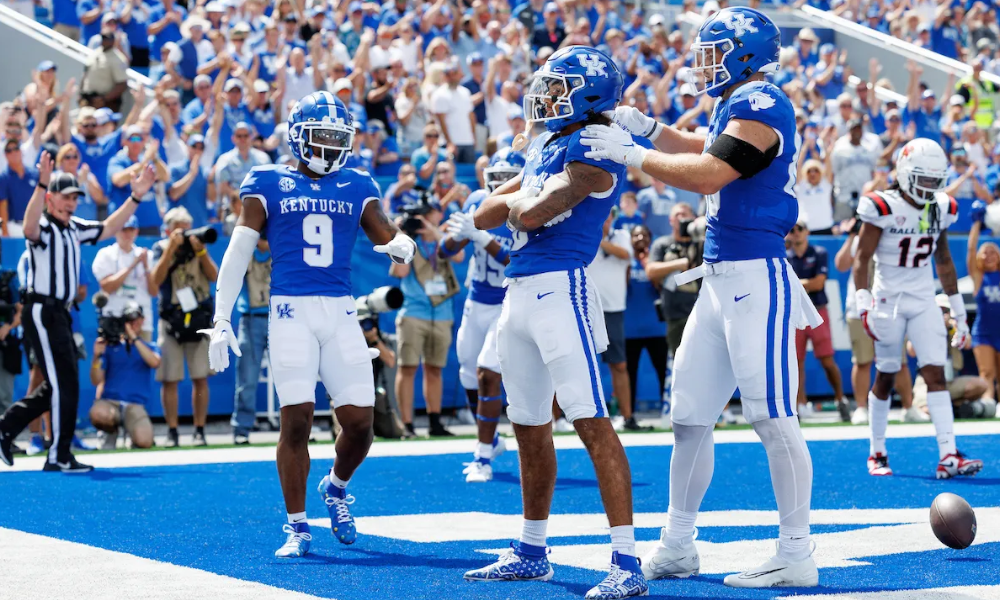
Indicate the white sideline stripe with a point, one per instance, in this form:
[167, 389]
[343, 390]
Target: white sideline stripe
[437, 447]
[965, 592]
[37, 566]
[464, 526]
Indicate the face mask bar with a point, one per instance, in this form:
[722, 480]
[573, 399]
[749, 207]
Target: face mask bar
[549, 96]
[709, 63]
[326, 144]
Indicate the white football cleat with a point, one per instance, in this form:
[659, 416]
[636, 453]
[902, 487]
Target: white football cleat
[806, 411]
[478, 472]
[958, 464]
[667, 560]
[860, 416]
[878, 465]
[915, 415]
[777, 572]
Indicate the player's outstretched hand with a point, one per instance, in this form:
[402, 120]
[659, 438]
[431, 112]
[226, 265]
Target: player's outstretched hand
[457, 226]
[400, 249]
[632, 120]
[962, 337]
[612, 143]
[462, 227]
[222, 339]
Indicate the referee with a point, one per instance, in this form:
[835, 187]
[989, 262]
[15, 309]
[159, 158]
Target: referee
[53, 237]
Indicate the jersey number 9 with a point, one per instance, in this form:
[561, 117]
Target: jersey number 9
[317, 231]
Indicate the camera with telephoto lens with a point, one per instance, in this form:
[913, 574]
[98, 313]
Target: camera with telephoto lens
[205, 235]
[379, 300]
[684, 227]
[411, 224]
[112, 328]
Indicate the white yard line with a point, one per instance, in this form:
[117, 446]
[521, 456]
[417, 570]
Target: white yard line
[37, 566]
[436, 447]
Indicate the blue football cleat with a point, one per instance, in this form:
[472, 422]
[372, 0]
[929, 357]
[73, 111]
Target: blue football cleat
[341, 521]
[513, 566]
[297, 544]
[36, 446]
[621, 582]
[79, 444]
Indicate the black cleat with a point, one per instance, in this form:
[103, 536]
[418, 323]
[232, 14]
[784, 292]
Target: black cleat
[632, 425]
[173, 439]
[199, 438]
[7, 448]
[70, 465]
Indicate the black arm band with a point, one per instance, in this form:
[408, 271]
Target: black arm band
[134, 199]
[742, 156]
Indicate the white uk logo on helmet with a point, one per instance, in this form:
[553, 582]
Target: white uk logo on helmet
[595, 66]
[740, 23]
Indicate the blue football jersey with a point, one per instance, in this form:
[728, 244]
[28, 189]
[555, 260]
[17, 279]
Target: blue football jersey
[486, 274]
[749, 218]
[311, 226]
[573, 240]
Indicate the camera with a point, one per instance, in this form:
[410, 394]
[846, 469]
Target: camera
[112, 328]
[684, 227]
[205, 235]
[379, 300]
[411, 224]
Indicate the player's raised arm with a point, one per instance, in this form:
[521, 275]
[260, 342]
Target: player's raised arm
[461, 231]
[387, 237]
[494, 209]
[560, 194]
[664, 137]
[234, 268]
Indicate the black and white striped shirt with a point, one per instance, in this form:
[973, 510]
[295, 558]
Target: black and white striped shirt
[54, 260]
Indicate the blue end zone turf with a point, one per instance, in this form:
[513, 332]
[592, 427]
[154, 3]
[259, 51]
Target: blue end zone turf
[227, 518]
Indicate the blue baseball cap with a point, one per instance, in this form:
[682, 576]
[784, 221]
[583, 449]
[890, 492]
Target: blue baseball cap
[132, 223]
[827, 49]
[46, 65]
[355, 7]
[106, 115]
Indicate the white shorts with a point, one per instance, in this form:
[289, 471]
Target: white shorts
[902, 316]
[550, 333]
[476, 345]
[741, 333]
[310, 336]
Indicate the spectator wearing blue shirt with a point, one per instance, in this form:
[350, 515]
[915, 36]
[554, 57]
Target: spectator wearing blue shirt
[474, 83]
[165, 20]
[403, 192]
[138, 153]
[644, 329]
[966, 185]
[550, 33]
[944, 35]
[96, 150]
[192, 45]
[235, 111]
[125, 368]
[635, 26]
[261, 109]
[350, 32]
[134, 21]
[628, 213]
[655, 203]
[385, 152]
[253, 306]
[831, 74]
[92, 203]
[426, 158]
[189, 181]
[921, 108]
[343, 89]
[194, 110]
[392, 13]
[17, 183]
[89, 13]
[269, 53]
[952, 122]
[806, 47]
[64, 18]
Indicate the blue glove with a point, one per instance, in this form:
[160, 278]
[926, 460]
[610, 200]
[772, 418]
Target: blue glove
[978, 211]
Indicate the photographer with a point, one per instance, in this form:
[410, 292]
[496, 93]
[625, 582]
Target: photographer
[122, 269]
[253, 304]
[184, 273]
[424, 323]
[672, 254]
[123, 362]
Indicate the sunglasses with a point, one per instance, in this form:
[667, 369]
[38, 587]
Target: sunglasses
[431, 135]
[71, 157]
[811, 171]
[11, 149]
[87, 125]
[798, 229]
[241, 136]
[200, 147]
[135, 138]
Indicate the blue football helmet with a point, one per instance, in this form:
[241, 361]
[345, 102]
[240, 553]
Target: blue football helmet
[733, 45]
[321, 132]
[505, 164]
[576, 83]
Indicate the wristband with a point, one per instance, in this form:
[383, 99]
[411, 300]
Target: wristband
[446, 251]
[957, 306]
[44, 186]
[134, 199]
[501, 258]
[655, 133]
[201, 252]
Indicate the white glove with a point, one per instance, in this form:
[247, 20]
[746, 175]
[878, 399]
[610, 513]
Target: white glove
[222, 339]
[865, 303]
[634, 121]
[462, 227]
[614, 144]
[962, 336]
[401, 249]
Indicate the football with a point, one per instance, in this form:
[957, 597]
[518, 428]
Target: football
[953, 521]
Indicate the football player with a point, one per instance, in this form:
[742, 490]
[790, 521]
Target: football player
[903, 227]
[311, 213]
[551, 325]
[742, 330]
[479, 367]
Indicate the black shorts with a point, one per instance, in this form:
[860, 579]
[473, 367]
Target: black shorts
[615, 323]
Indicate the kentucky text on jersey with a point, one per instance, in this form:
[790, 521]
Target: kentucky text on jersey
[321, 205]
[572, 239]
[749, 218]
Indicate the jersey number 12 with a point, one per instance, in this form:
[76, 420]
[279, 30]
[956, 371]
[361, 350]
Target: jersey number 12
[924, 249]
[317, 231]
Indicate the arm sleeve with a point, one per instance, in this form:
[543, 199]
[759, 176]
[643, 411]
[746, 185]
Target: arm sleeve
[233, 269]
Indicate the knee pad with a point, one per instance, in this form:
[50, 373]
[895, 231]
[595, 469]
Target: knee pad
[521, 416]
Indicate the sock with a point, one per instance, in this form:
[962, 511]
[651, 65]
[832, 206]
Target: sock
[680, 526]
[337, 486]
[172, 431]
[485, 453]
[790, 466]
[409, 427]
[878, 422]
[533, 533]
[299, 517]
[200, 430]
[435, 419]
[939, 405]
[623, 540]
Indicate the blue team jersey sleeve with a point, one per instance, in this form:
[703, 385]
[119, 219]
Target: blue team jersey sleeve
[253, 184]
[575, 152]
[762, 102]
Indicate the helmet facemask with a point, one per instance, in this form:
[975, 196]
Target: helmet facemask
[921, 184]
[324, 145]
[709, 64]
[499, 175]
[549, 96]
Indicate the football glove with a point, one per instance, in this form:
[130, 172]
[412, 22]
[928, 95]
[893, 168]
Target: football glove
[221, 339]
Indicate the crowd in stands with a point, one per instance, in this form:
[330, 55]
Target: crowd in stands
[435, 87]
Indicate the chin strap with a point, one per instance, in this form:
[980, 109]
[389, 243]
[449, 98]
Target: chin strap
[233, 270]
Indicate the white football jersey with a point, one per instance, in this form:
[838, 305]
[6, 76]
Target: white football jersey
[903, 255]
